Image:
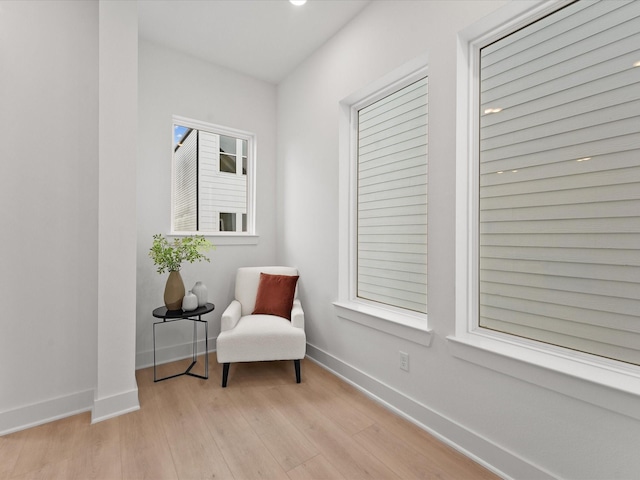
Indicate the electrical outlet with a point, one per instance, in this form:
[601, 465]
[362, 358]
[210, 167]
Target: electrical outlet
[404, 361]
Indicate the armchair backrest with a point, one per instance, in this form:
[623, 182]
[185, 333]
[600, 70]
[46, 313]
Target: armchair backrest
[247, 281]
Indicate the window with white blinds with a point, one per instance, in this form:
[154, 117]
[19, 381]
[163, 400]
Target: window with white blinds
[392, 199]
[559, 207]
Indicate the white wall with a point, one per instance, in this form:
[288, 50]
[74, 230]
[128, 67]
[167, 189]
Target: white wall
[68, 245]
[520, 429]
[174, 84]
[48, 208]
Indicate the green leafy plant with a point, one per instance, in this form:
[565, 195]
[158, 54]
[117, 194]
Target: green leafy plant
[168, 256]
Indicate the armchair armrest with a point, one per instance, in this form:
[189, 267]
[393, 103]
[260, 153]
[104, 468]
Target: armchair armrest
[230, 316]
[297, 314]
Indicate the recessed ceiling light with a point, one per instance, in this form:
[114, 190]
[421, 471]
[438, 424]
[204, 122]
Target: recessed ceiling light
[637, 64]
[297, 3]
[583, 159]
[492, 110]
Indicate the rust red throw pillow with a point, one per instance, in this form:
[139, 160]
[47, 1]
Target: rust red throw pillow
[275, 295]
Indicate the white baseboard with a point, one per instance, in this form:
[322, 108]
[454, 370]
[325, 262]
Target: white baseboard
[495, 458]
[115, 405]
[171, 353]
[47, 411]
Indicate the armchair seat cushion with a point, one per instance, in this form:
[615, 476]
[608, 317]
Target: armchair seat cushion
[261, 338]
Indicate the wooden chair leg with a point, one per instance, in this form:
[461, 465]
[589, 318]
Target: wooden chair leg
[225, 374]
[297, 365]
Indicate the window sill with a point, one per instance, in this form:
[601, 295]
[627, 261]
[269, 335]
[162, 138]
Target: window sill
[223, 239]
[606, 384]
[406, 326]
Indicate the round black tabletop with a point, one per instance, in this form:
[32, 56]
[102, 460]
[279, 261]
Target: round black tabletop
[162, 312]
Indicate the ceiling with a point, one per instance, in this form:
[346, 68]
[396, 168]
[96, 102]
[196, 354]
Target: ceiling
[265, 39]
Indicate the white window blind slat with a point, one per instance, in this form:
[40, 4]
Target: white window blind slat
[592, 287]
[395, 167]
[626, 208]
[621, 273]
[606, 61]
[558, 125]
[418, 267]
[377, 177]
[582, 337]
[401, 253]
[609, 131]
[516, 120]
[399, 290]
[382, 204]
[540, 166]
[566, 196]
[567, 225]
[390, 213]
[543, 319]
[410, 157]
[392, 105]
[578, 240]
[569, 46]
[566, 299]
[406, 121]
[394, 223]
[398, 193]
[542, 101]
[538, 32]
[391, 151]
[619, 176]
[400, 180]
[394, 143]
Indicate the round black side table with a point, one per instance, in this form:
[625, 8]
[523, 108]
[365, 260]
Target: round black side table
[194, 316]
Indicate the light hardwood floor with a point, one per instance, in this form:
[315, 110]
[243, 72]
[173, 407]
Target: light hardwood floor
[262, 426]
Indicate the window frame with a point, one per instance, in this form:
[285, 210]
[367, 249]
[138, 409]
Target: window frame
[606, 383]
[222, 237]
[399, 322]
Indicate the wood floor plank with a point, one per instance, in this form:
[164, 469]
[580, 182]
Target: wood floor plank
[287, 444]
[54, 470]
[98, 455]
[10, 448]
[73, 448]
[44, 442]
[316, 468]
[144, 447]
[392, 450]
[262, 426]
[194, 452]
[340, 409]
[245, 453]
[262, 416]
[338, 447]
[289, 447]
[418, 440]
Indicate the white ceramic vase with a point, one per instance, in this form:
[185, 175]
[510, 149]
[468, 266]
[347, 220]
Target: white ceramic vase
[189, 302]
[200, 291]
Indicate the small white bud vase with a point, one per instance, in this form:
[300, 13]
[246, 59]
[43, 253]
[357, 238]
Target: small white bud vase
[189, 302]
[200, 291]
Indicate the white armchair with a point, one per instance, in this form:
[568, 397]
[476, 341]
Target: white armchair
[248, 337]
